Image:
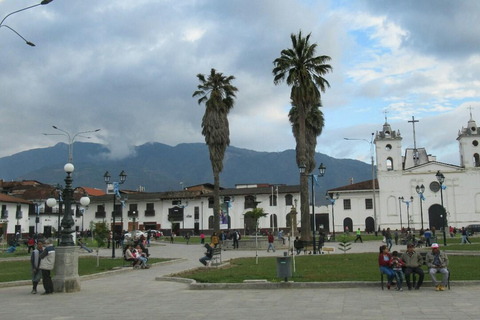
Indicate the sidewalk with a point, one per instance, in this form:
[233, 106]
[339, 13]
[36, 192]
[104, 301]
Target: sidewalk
[136, 295]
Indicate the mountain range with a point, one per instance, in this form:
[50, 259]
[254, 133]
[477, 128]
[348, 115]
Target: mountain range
[159, 167]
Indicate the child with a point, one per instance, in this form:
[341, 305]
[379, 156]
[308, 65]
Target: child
[396, 263]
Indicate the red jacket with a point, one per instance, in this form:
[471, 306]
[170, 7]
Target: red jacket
[271, 238]
[383, 260]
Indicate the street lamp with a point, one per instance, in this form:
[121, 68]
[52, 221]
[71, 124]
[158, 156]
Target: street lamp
[400, 200]
[373, 178]
[332, 198]
[44, 2]
[420, 190]
[134, 213]
[70, 139]
[441, 180]
[408, 211]
[68, 200]
[116, 193]
[321, 169]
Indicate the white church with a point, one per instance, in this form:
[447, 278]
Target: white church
[408, 192]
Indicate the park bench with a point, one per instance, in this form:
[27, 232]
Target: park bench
[328, 249]
[414, 278]
[216, 256]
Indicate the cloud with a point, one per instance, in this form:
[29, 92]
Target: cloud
[129, 68]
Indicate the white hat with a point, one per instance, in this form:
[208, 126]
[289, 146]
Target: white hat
[434, 245]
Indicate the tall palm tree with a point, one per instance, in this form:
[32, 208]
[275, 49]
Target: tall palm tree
[218, 95]
[303, 71]
[314, 123]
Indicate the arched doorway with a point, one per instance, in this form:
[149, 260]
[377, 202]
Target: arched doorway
[434, 213]
[369, 224]
[347, 222]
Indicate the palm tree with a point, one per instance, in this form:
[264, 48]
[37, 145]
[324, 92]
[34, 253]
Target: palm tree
[303, 71]
[314, 123]
[218, 95]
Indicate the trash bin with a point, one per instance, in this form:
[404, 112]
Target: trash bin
[284, 268]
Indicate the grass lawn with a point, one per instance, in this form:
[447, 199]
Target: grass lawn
[20, 270]
[323, 268]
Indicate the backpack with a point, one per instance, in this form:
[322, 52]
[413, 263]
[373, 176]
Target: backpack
[239, 235]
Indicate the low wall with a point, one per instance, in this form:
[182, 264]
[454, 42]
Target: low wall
[261, 243]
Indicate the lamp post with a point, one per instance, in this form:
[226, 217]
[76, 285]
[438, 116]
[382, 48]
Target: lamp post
[408, 211]
[70, 139]
[68, 200]
[66, 277]
[420, 190]
[332, 198]
[321, 169]
[44, 2]
[116, 193]
[134, 213]
[441, 180]
[373, 177]
[400, 200]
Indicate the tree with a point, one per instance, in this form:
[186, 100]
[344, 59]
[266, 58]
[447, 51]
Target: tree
[303, 71]
[314, 123]
[218, 94]
[256, 214]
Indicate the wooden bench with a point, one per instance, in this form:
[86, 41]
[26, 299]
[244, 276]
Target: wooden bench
[328, 249]
[216, 256]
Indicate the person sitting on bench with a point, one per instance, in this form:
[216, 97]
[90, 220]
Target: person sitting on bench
[413, 263]
[130, 257]
[208, 254]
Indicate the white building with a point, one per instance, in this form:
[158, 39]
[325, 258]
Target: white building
[397, 203]
[192, 208]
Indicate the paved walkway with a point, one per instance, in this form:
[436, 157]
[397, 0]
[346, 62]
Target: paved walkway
[136, 295]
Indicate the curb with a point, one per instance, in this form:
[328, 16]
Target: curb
[265, 285]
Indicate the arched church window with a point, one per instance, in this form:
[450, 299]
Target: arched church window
[475, 143]
[476, 160]
[389, 164]
[388, 147]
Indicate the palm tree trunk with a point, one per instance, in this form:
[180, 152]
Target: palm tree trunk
[304, 208]
[216, 202]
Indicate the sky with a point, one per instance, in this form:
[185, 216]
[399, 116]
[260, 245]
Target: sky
[129, 68]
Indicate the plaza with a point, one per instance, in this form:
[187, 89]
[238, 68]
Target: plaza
[136, 294]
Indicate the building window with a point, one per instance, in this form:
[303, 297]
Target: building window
[347, 205]
[131, 208]
[289, 200]
[100, 212]
[273, 201]
[176, 202]
[210, 202]
[197, 213]
[368, 204]
[249, 202]
[150, 212]
[389, 164]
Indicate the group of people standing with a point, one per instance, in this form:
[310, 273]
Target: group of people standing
[396, 266]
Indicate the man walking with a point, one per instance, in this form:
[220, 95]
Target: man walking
[359, 236]
[271, 239]
[47, 262]
[437, 261]
[413, 264]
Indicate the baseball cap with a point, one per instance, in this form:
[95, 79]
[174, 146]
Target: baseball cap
[434, 245]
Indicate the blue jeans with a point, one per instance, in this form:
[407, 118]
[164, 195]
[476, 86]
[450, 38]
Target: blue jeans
[389, 244]
[204, 260]
[143, 260]
[399, 276]
[388, 272]
[270, 245]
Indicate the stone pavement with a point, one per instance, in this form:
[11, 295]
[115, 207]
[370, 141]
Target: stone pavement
[136, 295]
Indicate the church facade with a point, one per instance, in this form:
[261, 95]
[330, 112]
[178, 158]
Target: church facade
[408, 192]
